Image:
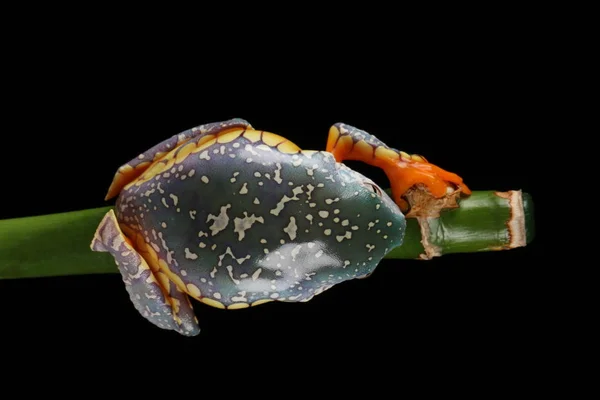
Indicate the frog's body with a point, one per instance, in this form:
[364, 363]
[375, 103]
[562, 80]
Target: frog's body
[235, 217]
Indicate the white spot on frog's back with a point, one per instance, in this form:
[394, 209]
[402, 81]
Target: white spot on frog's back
[240, 298]
[174, 198]
[277, 177]
[204, 155]
[310, 190]
[250, 149]
[264, 147]
[228, 252]
[243, 224]
[220, 221]
[295, 252]
[341, 238]
[244, 189]
[230, 272]
[291, 229]
[285, 199]
[256, 200]
[311, 171]
[256, 274]
[189, 255]
[205, 179]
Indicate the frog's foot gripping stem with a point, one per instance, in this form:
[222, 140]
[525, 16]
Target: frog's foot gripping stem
[150, 290]
[404, 171]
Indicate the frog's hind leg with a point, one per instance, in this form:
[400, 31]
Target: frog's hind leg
[403, 170]
[157, 299]
[134, 168]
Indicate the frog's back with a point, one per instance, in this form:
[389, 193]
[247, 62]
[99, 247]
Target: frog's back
[247, 218]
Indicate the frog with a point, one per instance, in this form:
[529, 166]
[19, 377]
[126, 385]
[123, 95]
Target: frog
[232, 217]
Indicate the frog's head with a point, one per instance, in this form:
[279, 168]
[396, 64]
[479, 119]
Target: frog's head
[380, 217]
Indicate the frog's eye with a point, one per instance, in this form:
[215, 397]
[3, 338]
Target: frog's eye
[373, 187]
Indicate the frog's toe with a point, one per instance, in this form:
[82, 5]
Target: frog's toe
[151, 292]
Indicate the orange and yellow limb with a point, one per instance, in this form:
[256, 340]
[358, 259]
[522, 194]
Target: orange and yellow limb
[403, 170]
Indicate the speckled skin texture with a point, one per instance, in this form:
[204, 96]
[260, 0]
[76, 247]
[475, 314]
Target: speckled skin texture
[243, 219]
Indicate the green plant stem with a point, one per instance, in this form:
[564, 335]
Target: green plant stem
[485, 221]
[59, 244]
[52, 245]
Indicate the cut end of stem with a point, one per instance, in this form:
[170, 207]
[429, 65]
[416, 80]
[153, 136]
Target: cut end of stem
[516, 225]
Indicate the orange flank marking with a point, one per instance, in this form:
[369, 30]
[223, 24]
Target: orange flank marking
[288, 147]
[159, 155]
[334, 134]
[124, 175]
[228, 137]
[259, 302]
[184, 151]
[204, 139]
[212, 303]
[238, 306]
[363, 147]
[127, 176]
[252, 135]
[272, 139]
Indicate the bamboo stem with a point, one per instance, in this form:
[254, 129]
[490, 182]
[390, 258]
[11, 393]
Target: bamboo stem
[52, 245]
[485, 221]
[59, 244]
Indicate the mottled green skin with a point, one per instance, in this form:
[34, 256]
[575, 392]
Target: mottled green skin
[244, 222]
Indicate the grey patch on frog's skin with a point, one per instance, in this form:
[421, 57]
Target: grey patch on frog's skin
[307, 263]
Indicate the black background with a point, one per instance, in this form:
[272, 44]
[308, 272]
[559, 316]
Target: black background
[469, 106]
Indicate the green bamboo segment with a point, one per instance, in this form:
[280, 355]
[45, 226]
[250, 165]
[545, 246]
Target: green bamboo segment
[485, 221]
[59, 244]
[52, 245]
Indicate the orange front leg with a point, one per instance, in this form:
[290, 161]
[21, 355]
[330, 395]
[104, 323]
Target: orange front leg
[403, 170]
